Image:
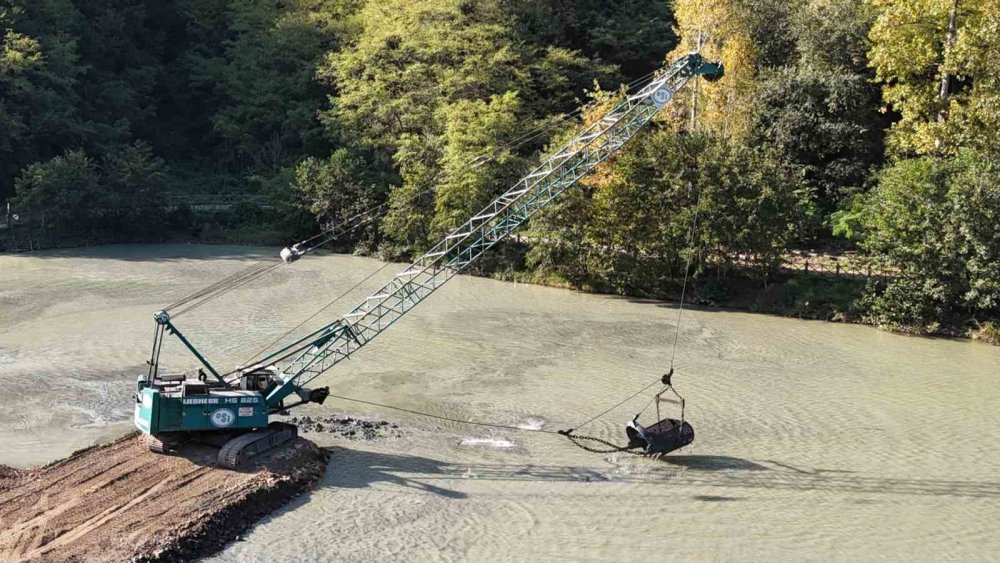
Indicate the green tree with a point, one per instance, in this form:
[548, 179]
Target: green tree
[132, 180]
[633, 35]
[472, 129]
[932, 57]
[823, 122]
[414, 84]
[64, 192]
[265, 77]
[39, 73]
[78, 199]
[833, 35]
[630, 231]
[340, 187]
[935, 221]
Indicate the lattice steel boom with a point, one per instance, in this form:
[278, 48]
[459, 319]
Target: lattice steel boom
[463, 246]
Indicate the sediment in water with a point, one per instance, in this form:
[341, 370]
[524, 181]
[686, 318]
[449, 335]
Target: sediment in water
[120, 502]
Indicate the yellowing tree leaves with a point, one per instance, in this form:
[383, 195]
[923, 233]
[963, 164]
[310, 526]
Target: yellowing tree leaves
[913, 52]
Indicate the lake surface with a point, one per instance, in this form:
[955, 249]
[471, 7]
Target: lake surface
[814, 440]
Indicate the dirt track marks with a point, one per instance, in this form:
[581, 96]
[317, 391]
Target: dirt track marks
[121, 502]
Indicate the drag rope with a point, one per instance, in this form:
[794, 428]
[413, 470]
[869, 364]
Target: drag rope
[574, 438]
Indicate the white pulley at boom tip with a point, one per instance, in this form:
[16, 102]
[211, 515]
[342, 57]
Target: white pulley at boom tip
[291, 254]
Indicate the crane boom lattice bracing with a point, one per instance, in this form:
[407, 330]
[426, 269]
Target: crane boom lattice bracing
[500, 218]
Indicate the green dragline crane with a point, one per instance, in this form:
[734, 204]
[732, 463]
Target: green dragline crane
[233, 409]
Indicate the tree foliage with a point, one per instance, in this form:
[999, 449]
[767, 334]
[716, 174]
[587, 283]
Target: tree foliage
[80, 198]
[439, 85]
[632, 231]
[945, 86]
[630, 34]
[430, 108]
[936, 221]
[264, 77]
[824, 123]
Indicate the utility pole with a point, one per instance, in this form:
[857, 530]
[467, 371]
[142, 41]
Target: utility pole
[945, 88]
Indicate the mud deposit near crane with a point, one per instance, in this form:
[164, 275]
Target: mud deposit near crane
[814, 440]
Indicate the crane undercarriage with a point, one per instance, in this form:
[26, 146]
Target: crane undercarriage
[189, 407]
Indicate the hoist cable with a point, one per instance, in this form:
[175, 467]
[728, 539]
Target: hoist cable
[680, 309]
[343, 294]
[257, 354]
[222, 291]
[366, 213]
[687, 267]
[275, 264]
[222, 282]
[445, 418]
[254, 271]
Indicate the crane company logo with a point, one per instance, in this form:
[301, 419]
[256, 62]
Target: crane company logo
[661, 96]
[222, 418]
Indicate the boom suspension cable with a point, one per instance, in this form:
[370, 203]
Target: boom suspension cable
[356, 221]
[257, 354]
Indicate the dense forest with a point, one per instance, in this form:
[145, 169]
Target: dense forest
[870, 127]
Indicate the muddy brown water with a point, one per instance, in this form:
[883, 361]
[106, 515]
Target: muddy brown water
[814, 440]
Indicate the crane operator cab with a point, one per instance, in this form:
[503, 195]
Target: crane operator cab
[293, 253]
[667, 434]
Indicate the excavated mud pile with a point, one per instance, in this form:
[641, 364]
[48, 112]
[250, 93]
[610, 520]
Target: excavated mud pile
[120, 502]
[346, 427]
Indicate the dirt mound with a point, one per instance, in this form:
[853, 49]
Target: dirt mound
[9, 477]
[347, 427]
[120, 502]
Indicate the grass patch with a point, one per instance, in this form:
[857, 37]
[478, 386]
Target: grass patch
[988, 331]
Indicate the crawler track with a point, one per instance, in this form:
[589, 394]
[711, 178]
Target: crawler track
[122, 502]
[240, 450]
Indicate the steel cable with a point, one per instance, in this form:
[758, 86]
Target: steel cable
[243, 276]
[574, 438]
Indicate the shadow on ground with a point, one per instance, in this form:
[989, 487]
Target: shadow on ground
[358, 469]
[712, 463]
